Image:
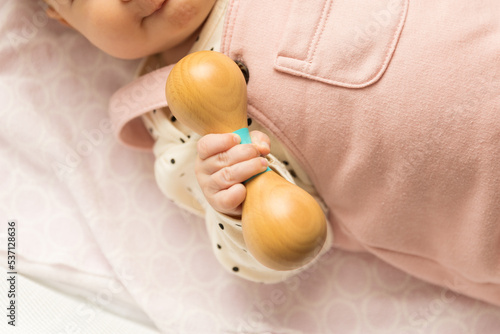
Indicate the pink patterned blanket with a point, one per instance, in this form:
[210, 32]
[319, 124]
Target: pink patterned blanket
[91, 221]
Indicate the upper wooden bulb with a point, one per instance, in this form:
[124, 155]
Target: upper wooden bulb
[206, 91]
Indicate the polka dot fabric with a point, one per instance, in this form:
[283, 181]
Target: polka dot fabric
[89, 212]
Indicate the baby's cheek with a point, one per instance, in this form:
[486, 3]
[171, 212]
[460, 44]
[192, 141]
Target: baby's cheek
[184, 14]
[115, 37]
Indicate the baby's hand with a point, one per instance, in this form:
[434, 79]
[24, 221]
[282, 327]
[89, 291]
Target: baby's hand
[222, 165]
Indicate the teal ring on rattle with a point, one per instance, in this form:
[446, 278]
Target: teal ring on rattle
[244, 134]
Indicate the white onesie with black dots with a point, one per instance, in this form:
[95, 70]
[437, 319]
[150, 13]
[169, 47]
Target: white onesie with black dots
[175, 151]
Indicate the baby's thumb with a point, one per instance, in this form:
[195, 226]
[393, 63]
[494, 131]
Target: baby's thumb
[261, 141]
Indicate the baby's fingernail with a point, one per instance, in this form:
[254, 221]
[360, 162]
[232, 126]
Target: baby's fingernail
[264, 162]
[236, 138]
[264, 145]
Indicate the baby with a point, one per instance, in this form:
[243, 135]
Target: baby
[393, 124]
[216, 192]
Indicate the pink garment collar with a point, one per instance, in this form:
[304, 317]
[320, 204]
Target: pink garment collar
[140, 96]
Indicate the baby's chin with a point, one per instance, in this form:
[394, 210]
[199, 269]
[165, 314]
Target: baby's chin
[126, 54]
[129, 51]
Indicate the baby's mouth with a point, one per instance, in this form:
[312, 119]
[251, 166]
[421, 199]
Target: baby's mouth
[160, 6]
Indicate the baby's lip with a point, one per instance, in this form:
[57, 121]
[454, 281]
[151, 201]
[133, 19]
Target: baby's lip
[158, 7]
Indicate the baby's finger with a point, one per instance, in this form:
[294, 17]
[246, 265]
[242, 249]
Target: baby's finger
[229, 201]
[212, 144]
[236, 154]
[237, 173]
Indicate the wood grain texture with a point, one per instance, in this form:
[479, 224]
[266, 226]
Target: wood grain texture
[207, 92]
[283, 225]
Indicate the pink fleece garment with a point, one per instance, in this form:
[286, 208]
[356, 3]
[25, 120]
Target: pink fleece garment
[393, 109]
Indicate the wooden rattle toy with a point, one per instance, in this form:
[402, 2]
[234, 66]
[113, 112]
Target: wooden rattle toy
[283, 226]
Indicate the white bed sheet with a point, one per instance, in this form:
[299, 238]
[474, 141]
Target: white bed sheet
[94, 229]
